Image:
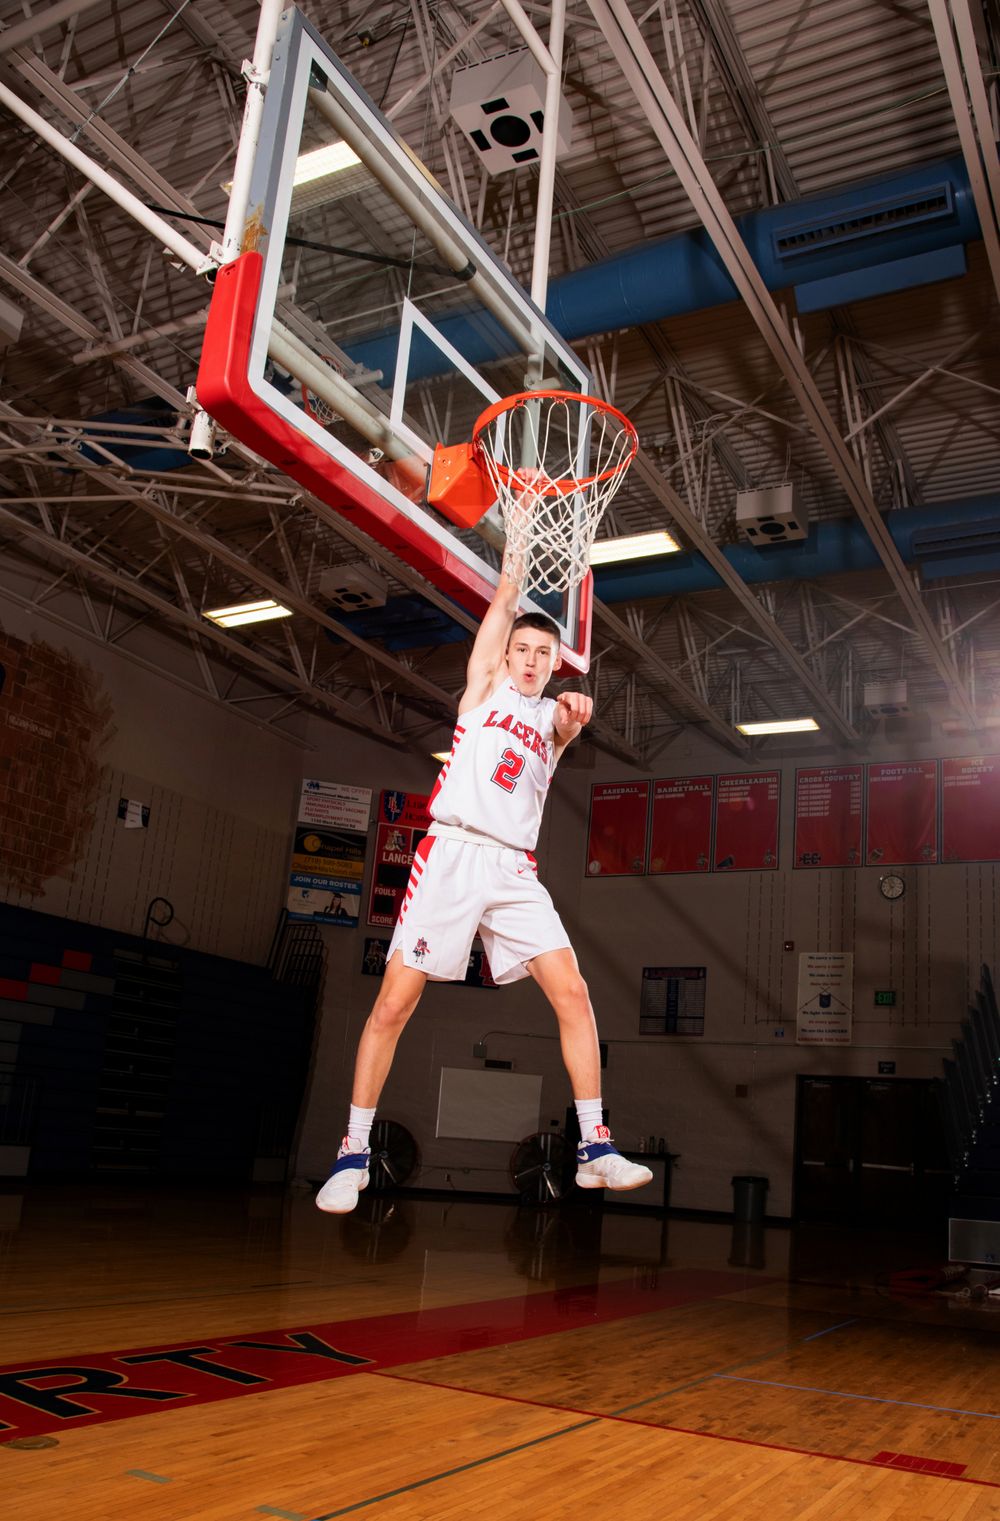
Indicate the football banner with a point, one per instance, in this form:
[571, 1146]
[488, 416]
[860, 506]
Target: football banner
[902, 814]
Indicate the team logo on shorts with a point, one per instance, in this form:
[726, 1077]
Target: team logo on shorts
[421, 948]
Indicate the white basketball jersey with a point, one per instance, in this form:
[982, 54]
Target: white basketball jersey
[501, 763]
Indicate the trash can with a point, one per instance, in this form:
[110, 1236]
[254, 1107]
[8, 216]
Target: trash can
[749, 1198]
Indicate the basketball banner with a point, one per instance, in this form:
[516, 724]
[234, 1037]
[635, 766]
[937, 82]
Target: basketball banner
[681, 831]
[970, 809]
[828, 816]
[404, 821]
[902, 814]
[619, 815]
[746, 821]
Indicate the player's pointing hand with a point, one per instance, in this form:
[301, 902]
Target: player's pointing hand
[573, 710]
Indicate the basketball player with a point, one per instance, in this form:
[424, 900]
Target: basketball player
[474, 872]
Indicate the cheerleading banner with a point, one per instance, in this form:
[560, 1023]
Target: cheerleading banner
[902, 814]
[828, 816]
[619, 815]
[681, 833]
[970, 809]
[746, 821]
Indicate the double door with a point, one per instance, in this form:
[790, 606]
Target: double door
[870, 1150]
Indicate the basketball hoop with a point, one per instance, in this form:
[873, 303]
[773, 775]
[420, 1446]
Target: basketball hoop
[552, 460]
[317, 407]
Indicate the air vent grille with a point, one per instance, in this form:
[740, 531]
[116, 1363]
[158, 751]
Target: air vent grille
[864, 222]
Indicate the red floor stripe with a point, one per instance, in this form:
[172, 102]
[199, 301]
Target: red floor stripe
[56, 1393]
[920, 1465]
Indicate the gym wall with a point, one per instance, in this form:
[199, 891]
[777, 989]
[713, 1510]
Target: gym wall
[82, 727]
[690, 1091]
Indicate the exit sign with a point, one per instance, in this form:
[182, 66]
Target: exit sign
[885, 998]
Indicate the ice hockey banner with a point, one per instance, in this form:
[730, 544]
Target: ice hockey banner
[970, 808]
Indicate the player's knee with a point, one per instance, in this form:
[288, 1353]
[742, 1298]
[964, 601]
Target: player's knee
[391, 1012]
[575, 997]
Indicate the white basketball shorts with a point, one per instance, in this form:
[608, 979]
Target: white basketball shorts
[458, 889]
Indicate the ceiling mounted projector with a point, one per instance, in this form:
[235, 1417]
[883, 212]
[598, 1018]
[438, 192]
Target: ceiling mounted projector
[771, 515]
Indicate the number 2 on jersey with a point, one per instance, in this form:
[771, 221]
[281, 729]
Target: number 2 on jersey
[509, 768]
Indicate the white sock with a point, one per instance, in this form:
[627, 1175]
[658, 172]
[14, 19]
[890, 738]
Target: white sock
[359, 1126]
[590, 1113]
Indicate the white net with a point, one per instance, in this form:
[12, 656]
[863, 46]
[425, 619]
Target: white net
[555, 460]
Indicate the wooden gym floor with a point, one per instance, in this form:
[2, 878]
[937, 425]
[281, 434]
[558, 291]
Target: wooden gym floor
[451, 1359]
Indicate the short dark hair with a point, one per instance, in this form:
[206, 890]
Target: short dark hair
[540, 621]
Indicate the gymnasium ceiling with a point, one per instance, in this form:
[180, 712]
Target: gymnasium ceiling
[785, 99]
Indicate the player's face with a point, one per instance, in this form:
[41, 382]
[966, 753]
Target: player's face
[531, 658]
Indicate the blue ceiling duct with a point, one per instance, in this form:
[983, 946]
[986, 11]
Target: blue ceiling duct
[947, 539]
[902, 230]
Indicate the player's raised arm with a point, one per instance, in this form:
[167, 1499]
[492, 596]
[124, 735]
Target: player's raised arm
[488, 662]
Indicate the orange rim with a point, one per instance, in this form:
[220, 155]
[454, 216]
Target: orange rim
[565, 484]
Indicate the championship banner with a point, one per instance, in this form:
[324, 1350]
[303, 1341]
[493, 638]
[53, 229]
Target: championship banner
[619, 814]
[902, 814]
[970, 809]
[746, 821]
[828, 816]
[681, 832]
[403, 822]
[328, 856]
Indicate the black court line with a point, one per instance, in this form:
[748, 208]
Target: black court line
[846, 1394]
[449, 1473]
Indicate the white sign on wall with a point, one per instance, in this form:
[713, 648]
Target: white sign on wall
[825, 1003]
[335, 805]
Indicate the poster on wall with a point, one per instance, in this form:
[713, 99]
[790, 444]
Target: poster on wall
[825, 1002]
[681, 830]
[970, 808]
[335, 805]
[902, 814]
[746, 821]
[619, 815]
[403, 821]
[828, 816]
[672, 1000]
[328, 855]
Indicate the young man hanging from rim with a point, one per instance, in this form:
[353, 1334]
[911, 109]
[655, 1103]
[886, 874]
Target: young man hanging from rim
[474, 873]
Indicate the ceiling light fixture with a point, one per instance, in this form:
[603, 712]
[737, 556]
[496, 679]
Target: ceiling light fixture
[248, 612]
[779, 726]
[329, 159]
[636, 546]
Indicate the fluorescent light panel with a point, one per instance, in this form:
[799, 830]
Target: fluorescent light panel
[636, 546]
[323, 161]
[779, 726]
[248, 612]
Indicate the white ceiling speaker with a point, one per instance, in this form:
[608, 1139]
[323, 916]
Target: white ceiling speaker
[500, 106]
[353, 587]
[886, 699]
[771, 515]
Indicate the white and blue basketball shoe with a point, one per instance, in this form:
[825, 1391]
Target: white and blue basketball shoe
[339, 1193]
[599, 1165]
